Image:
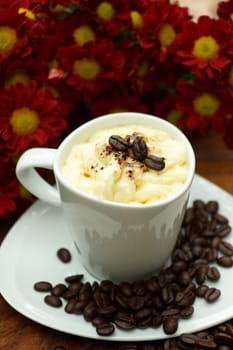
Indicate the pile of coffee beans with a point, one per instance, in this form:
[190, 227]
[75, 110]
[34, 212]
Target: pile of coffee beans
[161, 300]
[138, 146]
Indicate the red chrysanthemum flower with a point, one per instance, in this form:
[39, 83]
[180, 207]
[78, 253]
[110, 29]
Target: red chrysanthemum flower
[159, 28]
[29, 117]
[206, 46]
[78, 28]
[8, 189]
[16, 30]
[117, 100]
[92, 66]
[225, 10]
[110, 15]
[204, 105]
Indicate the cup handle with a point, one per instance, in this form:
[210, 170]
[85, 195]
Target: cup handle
[30, 178]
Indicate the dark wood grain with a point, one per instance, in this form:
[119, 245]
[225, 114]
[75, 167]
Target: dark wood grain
[214, 162]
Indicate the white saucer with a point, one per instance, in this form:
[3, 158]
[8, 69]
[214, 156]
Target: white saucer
[28, 255]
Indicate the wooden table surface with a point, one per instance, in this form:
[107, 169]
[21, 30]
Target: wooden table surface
[214, 162]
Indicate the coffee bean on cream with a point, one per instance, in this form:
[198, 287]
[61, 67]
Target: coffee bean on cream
[99, 169]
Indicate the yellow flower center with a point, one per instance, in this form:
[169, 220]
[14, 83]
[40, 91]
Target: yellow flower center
[83, 34]
[206, 105]
[105, 10]
[173, 116]
[166, 35]
[231, 76]
[17, 77]
[136, 19]
[8, 38]
[231, 17]
[205, 48]
[86, 68]
[142, 70]
[24, 121]
[56, 8]
[28, 13]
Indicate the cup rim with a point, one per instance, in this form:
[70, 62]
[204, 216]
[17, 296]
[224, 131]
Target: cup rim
[164, 124]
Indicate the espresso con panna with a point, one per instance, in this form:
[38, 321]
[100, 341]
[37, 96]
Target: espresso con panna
[109, 173]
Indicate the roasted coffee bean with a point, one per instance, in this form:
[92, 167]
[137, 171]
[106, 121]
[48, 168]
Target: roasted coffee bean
[105, 329]
[97, 321]
[152, 285]
[221, 219]
[187, 340]
[139, 288]
[167, 295]
[74, 278]
[215, 242]
[106, 286]
[72, 290]
[198, 204]
[125, 324]
[226, 248]
[184, 300]
[212, 294]
[223, 231]
[70, 306]
[225, 261]
[170, 312]
[223, 338]
[187, 311]
[125, 320]
[170, 324]
[52, 300]
[121, 300]
[101, 299]
[64, 255]
[75, 287]
[206, 342]
[107, 311]
[118, 143]
[212, 207]
[213, 273]
[59, 289]
[139, 149]
[201, 273]
[79, 306]
[184, 278]
[179, 266]
[85, 292]
[136, 302]
[43, 286]
[201, 290]
[142, 313]
[144, 322]
[154, 162]
[90, 311]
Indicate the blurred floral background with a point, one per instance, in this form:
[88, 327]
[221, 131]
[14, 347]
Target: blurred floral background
[65, 62]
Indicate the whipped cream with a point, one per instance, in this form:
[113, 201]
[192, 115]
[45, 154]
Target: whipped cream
[93, 167]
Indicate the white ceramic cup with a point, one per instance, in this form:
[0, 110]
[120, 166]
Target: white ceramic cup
[117, 241]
